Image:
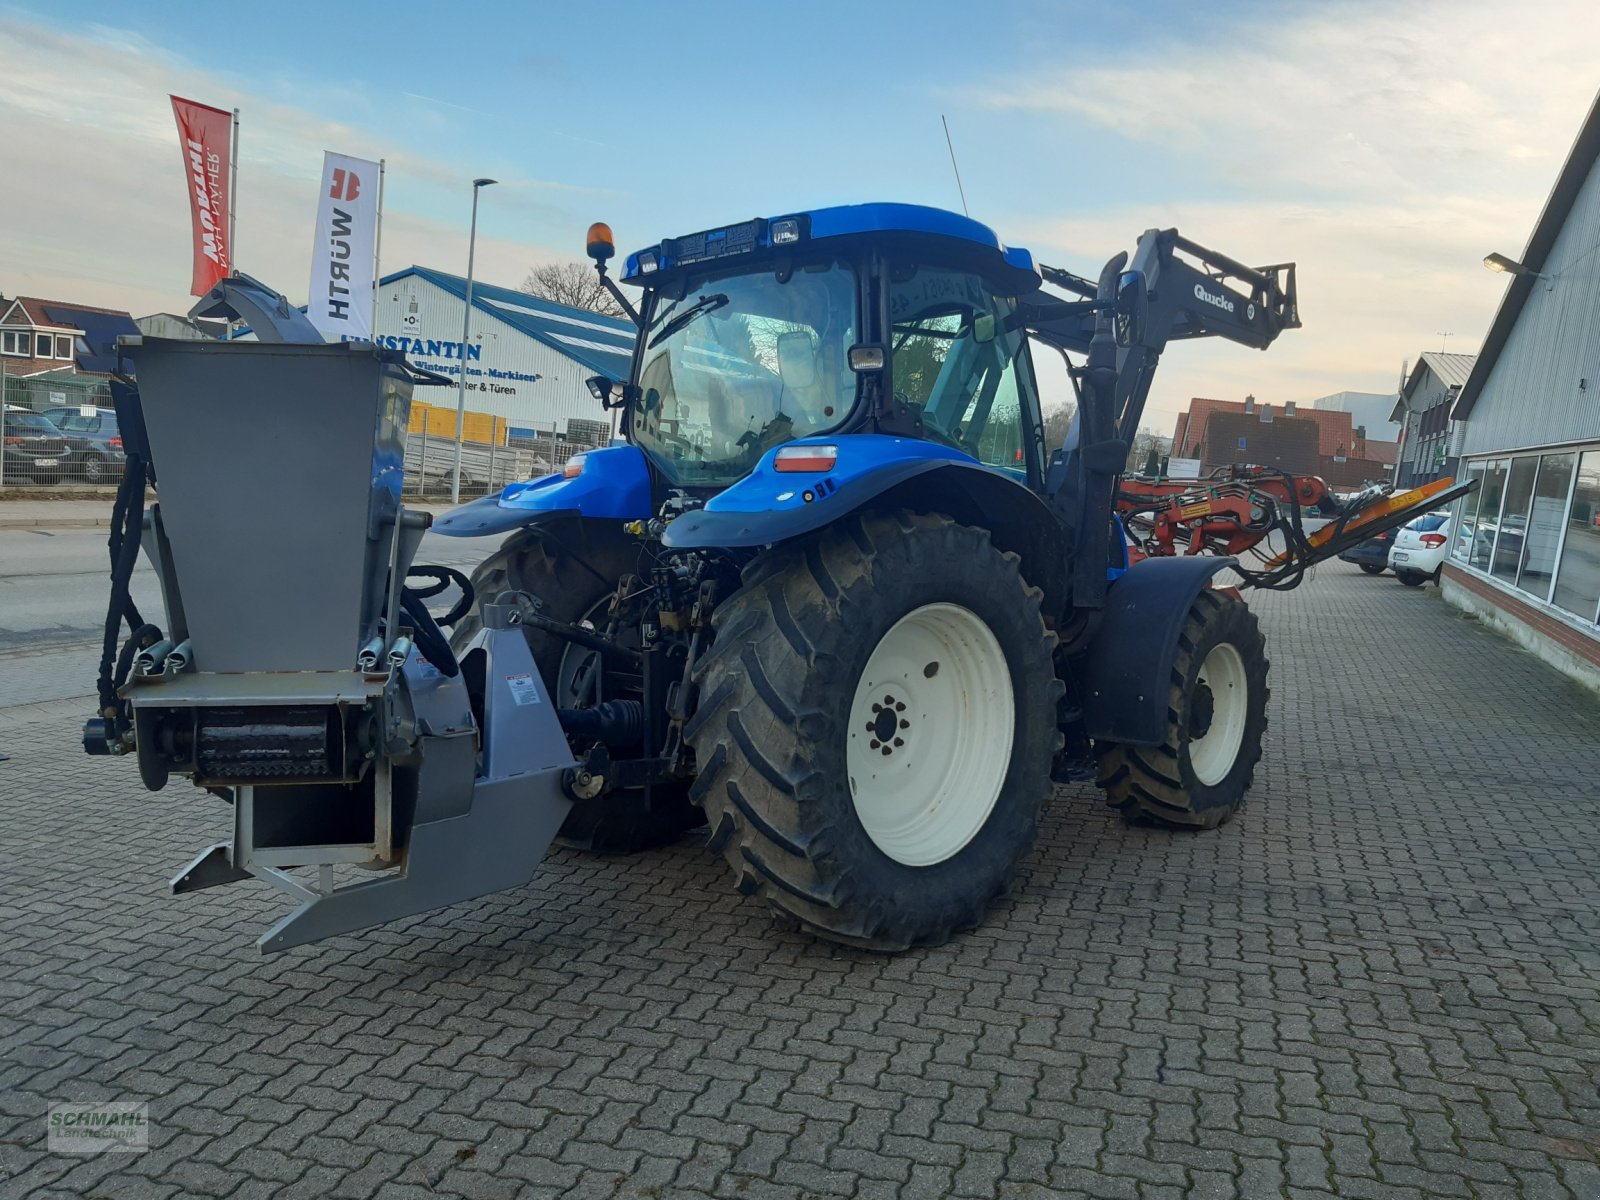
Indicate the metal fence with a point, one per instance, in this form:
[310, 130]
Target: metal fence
[81, 446]
[58, 430]
[493, 452]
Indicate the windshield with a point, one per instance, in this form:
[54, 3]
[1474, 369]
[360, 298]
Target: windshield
[740, 364]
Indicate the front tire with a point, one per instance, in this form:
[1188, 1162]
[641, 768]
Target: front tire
[1216, 716]
[1370, 569]
[875, 730]
[1411, 578]
[573, 569]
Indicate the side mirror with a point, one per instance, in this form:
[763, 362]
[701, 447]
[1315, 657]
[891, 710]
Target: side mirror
[1132, 308]
[601, 245]
[612, 393]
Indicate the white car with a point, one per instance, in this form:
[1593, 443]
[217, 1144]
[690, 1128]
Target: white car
[1419, 549]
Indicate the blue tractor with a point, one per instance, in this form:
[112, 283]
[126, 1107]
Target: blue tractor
[832, 593]
[829, 591]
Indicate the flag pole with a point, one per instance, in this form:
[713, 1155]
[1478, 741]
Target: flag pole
[377, 250]
[233, 197]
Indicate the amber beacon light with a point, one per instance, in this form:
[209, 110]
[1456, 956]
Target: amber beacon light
[601, 244]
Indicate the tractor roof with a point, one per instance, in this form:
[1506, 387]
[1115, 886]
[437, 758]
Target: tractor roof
[903, 225]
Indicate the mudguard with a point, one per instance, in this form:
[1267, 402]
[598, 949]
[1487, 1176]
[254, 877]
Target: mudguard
[613, 483]
[770, 506]
[1124, 676]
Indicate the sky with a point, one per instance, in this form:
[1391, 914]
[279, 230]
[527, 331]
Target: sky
[1385, 148]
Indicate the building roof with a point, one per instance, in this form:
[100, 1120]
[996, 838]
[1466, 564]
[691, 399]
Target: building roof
[1335, 428]
[1451, 370]
[97, 328]
[1384, 452]
[602, 344]
[1580, 161]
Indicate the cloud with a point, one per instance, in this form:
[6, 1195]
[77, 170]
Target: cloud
[94, 196]
[1385, 148]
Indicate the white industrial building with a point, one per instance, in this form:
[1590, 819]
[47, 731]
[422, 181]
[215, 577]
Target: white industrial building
[527, 359]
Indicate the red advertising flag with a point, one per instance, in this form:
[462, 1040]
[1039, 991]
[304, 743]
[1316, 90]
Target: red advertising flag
[206, 136]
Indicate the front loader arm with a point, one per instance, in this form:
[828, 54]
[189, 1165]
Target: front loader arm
[1171, 288]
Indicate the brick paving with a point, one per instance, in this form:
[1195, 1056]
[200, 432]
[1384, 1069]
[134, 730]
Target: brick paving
[1381, 981]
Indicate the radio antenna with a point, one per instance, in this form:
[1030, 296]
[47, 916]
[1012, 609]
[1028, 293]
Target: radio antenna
[953, 166]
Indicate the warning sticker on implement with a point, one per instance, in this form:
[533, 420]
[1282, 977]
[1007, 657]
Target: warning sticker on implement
[524, 688]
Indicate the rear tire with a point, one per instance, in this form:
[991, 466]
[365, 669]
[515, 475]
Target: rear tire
[1216, 715]
[855, 683]
[1411, 578]
[1370, 569]
[571, 569]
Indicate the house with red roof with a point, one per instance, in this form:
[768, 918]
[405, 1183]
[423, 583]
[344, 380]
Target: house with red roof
[51, 335]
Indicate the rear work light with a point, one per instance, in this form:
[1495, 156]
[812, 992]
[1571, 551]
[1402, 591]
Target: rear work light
[1433, 540]
[806, 458]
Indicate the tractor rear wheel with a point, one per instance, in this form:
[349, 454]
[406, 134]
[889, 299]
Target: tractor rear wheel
[1216, 715]
[574, 569]
[875, 727]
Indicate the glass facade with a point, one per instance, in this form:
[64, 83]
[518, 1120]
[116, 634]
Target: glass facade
[1534, 524]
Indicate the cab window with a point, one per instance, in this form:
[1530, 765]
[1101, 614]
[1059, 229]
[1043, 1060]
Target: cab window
[961, 361]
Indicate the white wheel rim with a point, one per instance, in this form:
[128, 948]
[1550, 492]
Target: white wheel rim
[1213, 753]
[926, 768]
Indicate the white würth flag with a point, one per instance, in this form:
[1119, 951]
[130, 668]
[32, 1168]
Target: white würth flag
[346, 243]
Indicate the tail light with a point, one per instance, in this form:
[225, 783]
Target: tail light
[1433, 540]
[12, 441]
[805, 458]
[115, 443]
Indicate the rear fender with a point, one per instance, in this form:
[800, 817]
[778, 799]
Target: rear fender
[882, 472]
[1124, 676]
[612, 484]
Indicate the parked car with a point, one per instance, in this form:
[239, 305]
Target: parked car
[1418, 551]
[31, 447]
[1372, 555]
[95, 442]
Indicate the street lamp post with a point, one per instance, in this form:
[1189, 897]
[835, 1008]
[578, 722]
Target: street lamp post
[466, 330]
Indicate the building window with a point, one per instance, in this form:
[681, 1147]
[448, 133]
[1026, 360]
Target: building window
[13, 342]
[1242, 442]
[1466, 524]
[63, 347]
[1490, 496]
[1578, 577]
[42, 345]
[1513, 534]
[1545, 519]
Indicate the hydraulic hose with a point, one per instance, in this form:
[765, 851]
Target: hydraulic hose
[127, 522]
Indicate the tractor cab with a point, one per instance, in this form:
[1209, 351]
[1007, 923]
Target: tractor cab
[873, 318]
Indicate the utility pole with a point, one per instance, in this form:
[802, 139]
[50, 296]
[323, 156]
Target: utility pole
[466, 330]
